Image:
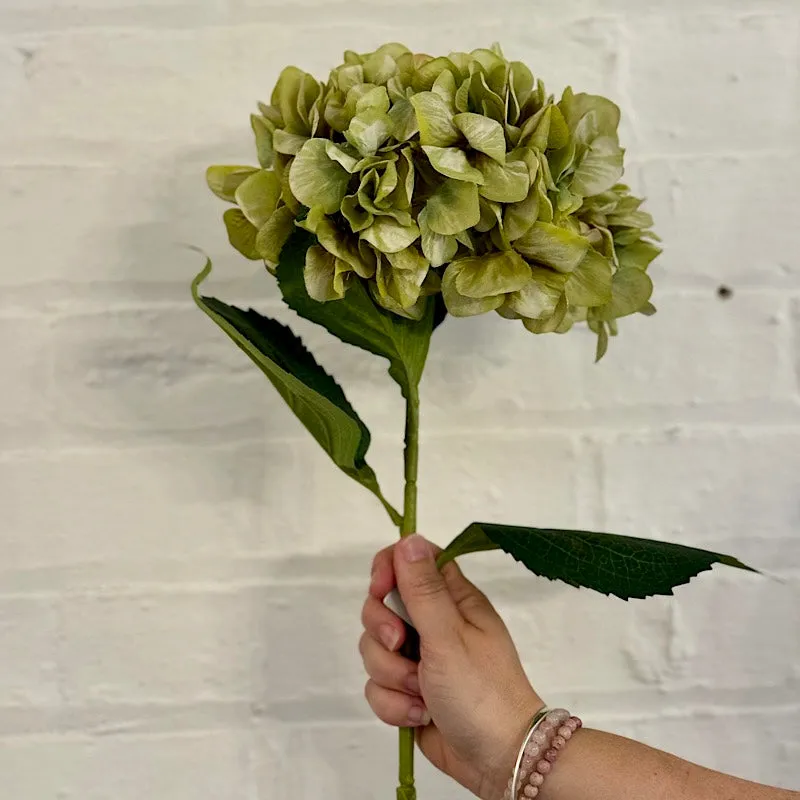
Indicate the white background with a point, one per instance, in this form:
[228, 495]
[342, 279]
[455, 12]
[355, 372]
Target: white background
[181, 569]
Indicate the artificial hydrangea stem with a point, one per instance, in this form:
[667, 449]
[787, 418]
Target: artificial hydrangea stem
[406, 790]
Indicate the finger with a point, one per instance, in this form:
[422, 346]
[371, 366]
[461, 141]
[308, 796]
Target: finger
[396, 708]
[423, 589]
[471, 602]
[382, 624]
[389, 670]
[382, 581]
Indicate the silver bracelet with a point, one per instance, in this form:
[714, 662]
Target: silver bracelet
[535, 723]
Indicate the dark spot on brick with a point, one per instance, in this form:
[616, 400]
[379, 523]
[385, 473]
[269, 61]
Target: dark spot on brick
[724, 292]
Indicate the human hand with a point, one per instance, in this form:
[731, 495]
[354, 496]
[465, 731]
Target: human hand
[468, 697]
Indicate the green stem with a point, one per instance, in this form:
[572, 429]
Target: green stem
[406, 790]
[411, 458]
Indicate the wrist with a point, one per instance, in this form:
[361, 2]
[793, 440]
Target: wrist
[509, 736]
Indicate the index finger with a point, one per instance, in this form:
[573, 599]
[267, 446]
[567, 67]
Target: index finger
[383, 580]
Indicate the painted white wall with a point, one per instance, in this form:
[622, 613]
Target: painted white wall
[181, 570]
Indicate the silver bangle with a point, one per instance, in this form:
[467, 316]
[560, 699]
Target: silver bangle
[535, 723]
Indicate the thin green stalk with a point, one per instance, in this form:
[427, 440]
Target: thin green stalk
[406, 790]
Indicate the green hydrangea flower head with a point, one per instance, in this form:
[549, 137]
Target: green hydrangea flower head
[456, 175]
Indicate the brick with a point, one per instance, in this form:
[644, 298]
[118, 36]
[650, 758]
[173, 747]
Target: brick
[26, 401]
[723, 740]
[626, 643]
[117, 228]
[706, 489]
[714, 233]
[520, 479]
[370, 746]
[28, 637]
[747, 64]
[728, 627]
[205, 766]
[796, 319]
[160, 648]
[120, 503]
[124, 372]
[738, 353]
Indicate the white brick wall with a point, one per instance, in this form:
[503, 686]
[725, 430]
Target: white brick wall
[167, 525]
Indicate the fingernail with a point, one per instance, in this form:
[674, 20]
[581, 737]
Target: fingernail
[412, 683]
[415, 548]
[390, 636]
[418, 715]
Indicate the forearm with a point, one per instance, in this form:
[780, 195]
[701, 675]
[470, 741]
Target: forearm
[601, 766]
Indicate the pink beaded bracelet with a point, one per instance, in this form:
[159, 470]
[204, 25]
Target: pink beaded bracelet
[547, 735]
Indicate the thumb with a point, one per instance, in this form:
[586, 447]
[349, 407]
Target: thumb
[423, 589]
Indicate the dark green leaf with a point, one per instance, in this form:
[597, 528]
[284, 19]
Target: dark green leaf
[357, 320]
[620, 565]
[313, 395]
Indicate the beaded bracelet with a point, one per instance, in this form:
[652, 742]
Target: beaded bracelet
[547, 735]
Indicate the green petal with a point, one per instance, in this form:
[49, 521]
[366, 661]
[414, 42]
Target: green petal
[549, 324]
[589, 284]
[553, 246]
[490, 213]
[462, 96]
[457, 304]
[438, 249]
[358, 217]
[445, 87]
[337, 113]
[453, 207]
[507, 183]
[387, 182]
[567, 202]
[521, 83]
[340, 156]
[415, 312]
[379, 67]
[488, 59]
[273, 234]
[315, 179]
[225, 180]
[547, 130]
[389, 236]
[404, 120]
[285, 95]
[376, 99]
[427, 73]
[288, 143]
[241, 233]
[271, 114]
[631, 290]
[369, 130]
[344, 247]
[263, 130]
[538, 298]
[576, 106]
[403, 281]
[404, 191]
[519, 218]
[349, 76]
[599, 169]
[491, 274]
[483, 134]
[631, 219]
[319, 275]
[258, 196]
[638, 255]
[435, 120]
[313, 219]
[452, 162]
